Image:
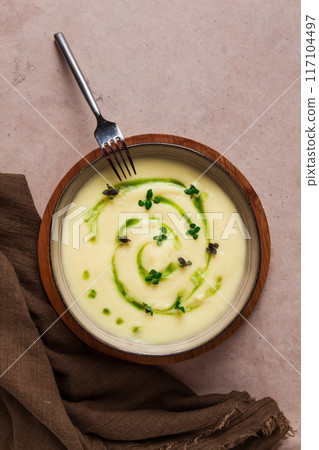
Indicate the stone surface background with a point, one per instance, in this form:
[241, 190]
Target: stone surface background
[205, 70]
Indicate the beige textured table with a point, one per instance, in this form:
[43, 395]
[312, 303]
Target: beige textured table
[220, 72]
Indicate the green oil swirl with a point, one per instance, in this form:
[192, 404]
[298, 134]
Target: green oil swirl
[198, 275]
[93, 214]
[143, 273]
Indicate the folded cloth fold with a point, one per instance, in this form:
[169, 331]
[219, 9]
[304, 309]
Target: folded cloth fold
[55, 392]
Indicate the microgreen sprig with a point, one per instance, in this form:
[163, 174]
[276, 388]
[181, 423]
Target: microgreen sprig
[161, 237]
[178, 306]
[183, 263]
[123, 240]
[153, 276]
[149, 199]
[192, 190]
[110, 192]
[212, 248]
[148, 309]
[193, 231]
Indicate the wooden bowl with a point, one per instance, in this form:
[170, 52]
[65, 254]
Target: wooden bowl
[257, 271]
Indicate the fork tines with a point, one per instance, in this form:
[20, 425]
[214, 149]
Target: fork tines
[111, 148]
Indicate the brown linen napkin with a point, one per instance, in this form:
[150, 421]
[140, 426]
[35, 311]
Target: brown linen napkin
[62, 394]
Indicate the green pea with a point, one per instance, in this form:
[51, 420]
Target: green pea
[92, 293]
[86, 275]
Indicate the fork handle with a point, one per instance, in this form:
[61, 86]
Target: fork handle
[67, 52]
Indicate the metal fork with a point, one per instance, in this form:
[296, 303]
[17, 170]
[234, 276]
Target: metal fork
[107, 134]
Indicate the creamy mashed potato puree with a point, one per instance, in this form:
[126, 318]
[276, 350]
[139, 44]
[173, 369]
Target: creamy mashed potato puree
[155, 267]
